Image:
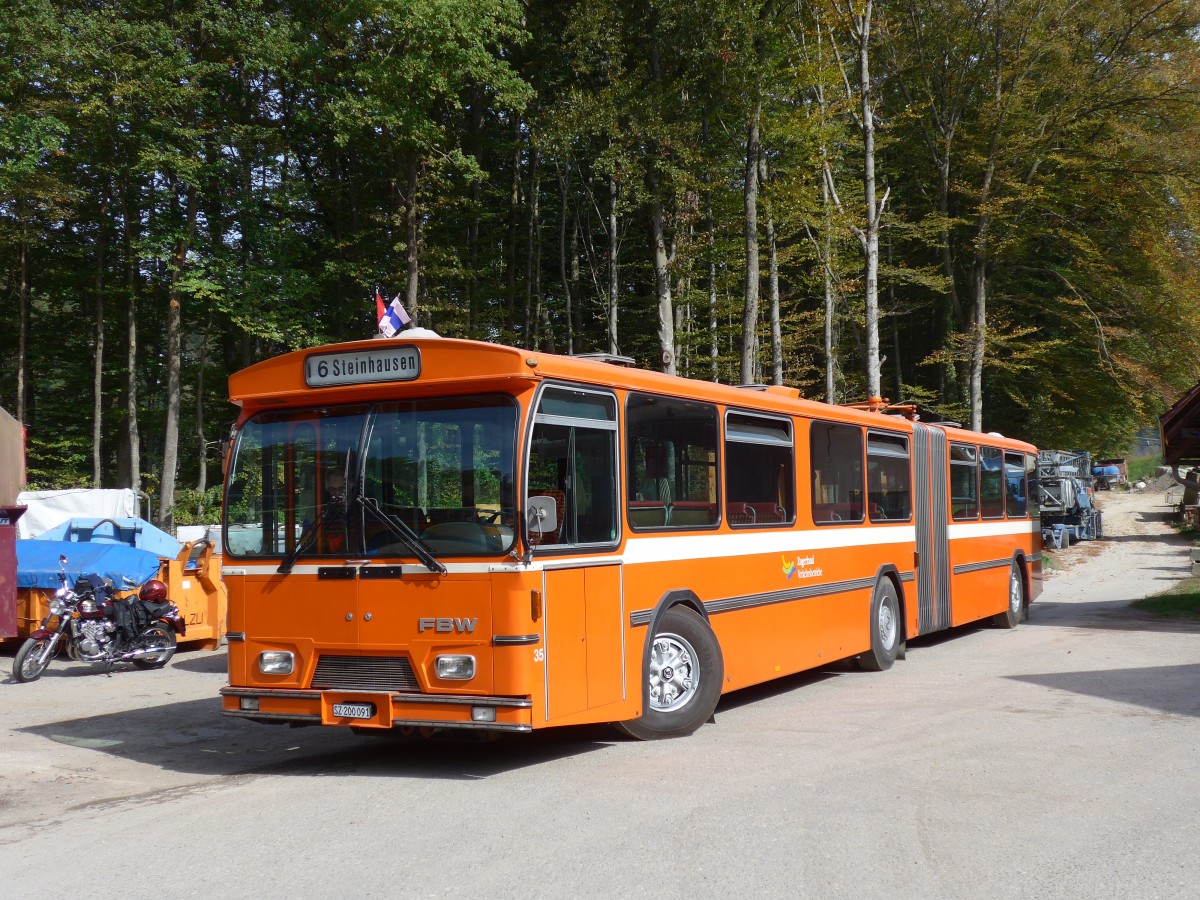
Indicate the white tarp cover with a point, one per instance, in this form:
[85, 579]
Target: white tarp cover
[50, 508]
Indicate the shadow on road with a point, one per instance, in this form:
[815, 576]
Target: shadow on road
[1107, 615]
[1162, 514]
[205, 662]
[192, 737]
[1170, 689]
[785, 685]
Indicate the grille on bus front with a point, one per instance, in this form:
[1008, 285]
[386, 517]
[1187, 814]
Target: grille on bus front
[365, 673]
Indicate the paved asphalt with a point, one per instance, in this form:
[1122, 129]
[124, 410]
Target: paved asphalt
[1056, 760]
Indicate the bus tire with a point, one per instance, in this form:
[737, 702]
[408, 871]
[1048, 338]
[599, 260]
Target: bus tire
[885, 628]
[684, 672]
[1013, 613]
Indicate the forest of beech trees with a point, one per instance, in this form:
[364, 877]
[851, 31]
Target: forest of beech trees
[987, 207]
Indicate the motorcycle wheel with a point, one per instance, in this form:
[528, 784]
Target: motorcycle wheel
[153, 637]
[28, 664]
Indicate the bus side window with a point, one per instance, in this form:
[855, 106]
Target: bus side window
[1015, 485]
[759, 467]
[836, 455]
[991, 482]
[672, 463]
[889, 478]
[964, 482]
[1033, 498]
[573, 459]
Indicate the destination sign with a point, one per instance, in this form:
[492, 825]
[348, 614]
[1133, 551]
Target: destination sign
[362, 366]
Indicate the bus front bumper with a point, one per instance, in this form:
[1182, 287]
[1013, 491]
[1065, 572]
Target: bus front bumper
[378, 709]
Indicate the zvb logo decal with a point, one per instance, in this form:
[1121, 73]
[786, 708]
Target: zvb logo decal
[447, 626]
[799, 567]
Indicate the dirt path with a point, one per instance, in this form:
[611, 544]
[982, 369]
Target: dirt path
[1139, 556]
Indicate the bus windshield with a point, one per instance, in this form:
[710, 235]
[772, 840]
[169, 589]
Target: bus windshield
[419, 478]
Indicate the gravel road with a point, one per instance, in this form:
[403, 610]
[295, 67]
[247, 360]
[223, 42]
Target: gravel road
[1055, 760]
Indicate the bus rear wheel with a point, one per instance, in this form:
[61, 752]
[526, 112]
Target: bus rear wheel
[684, 672]
[885, 628]
[1016, 600]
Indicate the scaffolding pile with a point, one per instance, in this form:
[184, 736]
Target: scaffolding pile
[1065, 497]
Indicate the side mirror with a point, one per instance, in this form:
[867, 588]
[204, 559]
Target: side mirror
[542, 514]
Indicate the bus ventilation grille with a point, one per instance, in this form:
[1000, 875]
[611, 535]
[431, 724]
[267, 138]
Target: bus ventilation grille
[365, 673]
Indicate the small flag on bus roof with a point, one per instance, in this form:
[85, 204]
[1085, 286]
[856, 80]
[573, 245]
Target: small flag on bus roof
[394, 319]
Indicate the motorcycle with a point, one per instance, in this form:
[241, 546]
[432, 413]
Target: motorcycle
[100, 628]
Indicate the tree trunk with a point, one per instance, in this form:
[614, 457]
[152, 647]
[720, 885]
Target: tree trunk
[510, 248]
[474, 145]
[413, 239]
[874, 210]
[979, 341]
[662, 288]
[893, 311]
[473, 262]
[23, 327]
[532, 313]
[133, 440]
[564, 179]
[950, 313]
[831, 353]
[98, 366]
[201, 438]
[772, 286]
[613, 267]
[750, 235]
[574, 275]
[713, 336]
[166, 501]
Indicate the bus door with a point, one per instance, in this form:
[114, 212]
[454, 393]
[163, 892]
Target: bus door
[931, 504]
[585, 658]
[572, 470]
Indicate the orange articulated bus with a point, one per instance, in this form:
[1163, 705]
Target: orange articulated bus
[430, 533]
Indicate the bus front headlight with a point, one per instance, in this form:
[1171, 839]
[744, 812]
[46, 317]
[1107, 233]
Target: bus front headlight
[276, 662]
[455, 667]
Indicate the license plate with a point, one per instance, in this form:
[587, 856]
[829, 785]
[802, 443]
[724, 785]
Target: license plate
[354, 710]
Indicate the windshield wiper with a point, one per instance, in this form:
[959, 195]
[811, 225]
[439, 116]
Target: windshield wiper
[404, 534]
[308, 537]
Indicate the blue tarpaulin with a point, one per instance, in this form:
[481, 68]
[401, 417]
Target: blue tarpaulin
[37, 563]
[130, 532]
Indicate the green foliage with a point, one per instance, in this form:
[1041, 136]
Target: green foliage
[1143, 468]
[1180, 602]
[194, 507]
[1049, 146]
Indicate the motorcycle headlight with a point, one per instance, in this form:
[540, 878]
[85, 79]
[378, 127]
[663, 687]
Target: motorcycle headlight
[57, 606]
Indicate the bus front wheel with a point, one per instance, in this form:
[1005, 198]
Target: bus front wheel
[885, 628]
[684, 672]
[1016, 600]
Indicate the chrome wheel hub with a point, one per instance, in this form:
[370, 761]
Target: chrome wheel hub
[887, 625]
[674, 676]
[1014, 593]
